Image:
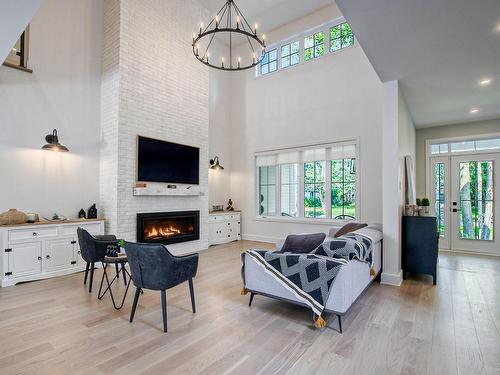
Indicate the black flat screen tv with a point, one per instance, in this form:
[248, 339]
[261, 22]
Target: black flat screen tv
[161, 161]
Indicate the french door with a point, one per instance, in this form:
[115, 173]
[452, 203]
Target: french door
[464, 200]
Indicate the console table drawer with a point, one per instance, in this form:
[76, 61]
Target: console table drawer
[31, 233]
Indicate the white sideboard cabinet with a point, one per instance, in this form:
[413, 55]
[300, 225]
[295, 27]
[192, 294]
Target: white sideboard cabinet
[42, 250]
[224, 227]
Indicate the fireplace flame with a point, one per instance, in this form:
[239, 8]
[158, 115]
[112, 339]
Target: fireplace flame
[161, 232]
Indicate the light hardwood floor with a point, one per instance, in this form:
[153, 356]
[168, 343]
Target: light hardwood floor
[56, 327]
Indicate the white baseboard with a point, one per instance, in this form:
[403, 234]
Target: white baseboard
[392, 279]
[255, 237]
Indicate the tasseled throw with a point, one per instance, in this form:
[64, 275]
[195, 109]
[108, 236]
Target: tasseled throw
[372, 271]
[320, 322]
[244, 291]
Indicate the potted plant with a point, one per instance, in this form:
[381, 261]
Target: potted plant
[426, 204]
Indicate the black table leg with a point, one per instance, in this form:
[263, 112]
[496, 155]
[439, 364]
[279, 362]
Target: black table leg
[109, 283]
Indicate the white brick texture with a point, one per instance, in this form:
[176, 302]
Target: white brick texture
[152, 86]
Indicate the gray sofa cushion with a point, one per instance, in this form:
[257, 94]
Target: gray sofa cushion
[302, 243]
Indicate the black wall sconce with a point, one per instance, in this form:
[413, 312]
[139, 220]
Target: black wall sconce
[214, 164]
[53, 143]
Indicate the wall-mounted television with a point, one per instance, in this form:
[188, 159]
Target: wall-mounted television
[161, 161]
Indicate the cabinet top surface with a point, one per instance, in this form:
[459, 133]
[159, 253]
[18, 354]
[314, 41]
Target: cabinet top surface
[215, 213]
[59, 222]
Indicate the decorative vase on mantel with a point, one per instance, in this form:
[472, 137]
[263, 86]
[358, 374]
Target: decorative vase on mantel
[13, 217]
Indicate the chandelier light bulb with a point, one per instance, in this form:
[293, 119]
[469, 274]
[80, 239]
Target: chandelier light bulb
[216, 21]
[238, 22]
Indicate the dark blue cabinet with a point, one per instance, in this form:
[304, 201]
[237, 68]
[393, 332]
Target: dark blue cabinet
[420, 245]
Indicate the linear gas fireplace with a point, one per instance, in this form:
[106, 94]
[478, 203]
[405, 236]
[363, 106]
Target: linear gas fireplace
[168, 227]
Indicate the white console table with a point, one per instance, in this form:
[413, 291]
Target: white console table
[42, 250]
[224, 227]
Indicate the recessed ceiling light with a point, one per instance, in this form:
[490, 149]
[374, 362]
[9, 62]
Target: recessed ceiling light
[485, 82]
[474, 110]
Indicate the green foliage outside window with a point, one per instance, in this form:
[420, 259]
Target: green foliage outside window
[341, 36]
[314, 46]
[343, 188]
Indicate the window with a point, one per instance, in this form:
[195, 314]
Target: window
[309, 182]
[439, 197]
[290, 54]
[289, 191]
[315, 189]
[314, 46]
[469, 145]
[18, 55]
[267, 190]
[269, 62]
[343, 189]
[341, 36]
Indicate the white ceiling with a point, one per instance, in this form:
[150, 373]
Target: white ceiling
[270, 14]
[438, 49]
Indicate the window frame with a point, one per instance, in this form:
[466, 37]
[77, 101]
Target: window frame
[301, 218]
[300, 37]
[298, 53]
[269, 62]
[314, 46]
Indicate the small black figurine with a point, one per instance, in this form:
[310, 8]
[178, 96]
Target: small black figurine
[230, 205]
[92, 212]
[82, 214]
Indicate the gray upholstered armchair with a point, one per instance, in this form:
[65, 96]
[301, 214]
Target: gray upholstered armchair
[93, 250]
[152, 266]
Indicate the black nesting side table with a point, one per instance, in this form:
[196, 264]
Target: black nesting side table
[119, 262]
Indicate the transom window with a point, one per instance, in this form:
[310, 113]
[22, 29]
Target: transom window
[312, 182]
[290, 54]
[325, 40]
[269, 62]
[314, 46]
[473, 145]
[341, 36]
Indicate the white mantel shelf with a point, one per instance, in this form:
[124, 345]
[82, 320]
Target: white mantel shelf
[159, 191]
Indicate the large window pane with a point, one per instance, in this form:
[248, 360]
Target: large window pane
[476, 200]
[439, 197]
[315, 189]
[267, 191]
[290, 185]
[343, 189]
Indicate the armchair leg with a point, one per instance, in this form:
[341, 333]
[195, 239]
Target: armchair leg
[164, 309]
[191, 291]
[91, 277]
[86, 273]
[251, 299]
[134, 306]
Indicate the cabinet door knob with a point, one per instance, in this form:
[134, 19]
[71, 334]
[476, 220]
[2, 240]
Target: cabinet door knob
[35, 233]
[39, 258]
[47, 257]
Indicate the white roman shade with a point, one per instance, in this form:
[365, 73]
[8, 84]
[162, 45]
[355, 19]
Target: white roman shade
[334, 151]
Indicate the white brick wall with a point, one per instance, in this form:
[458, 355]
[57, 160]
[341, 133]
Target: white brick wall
[161, 92]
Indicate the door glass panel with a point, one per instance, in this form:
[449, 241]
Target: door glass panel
[476, 200]
[439, 197]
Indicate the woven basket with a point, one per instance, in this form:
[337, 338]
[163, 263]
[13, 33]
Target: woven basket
[12, 217]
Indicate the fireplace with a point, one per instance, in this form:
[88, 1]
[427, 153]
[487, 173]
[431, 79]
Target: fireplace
[168, 227]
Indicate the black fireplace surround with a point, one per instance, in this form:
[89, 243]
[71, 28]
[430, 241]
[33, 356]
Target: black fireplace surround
[168, 227]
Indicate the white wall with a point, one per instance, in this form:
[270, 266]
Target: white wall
[335, 97]
[398, 141]
[63, 92]
[220, 136]
[449, 131]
